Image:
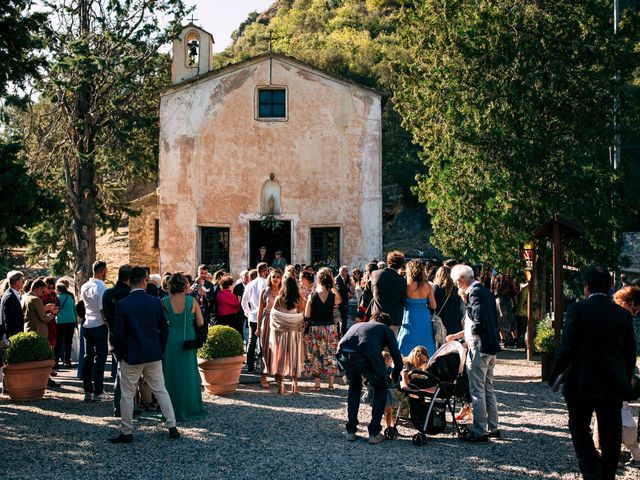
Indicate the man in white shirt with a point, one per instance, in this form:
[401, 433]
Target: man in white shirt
[96, 335]
[250, 303]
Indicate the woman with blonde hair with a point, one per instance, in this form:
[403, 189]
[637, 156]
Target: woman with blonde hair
[450, 305]
[416, 326]
[263, 329]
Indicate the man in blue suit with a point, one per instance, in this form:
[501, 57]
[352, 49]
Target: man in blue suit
[140, 338]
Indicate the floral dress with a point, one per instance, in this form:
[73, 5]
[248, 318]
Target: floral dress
[322, 339]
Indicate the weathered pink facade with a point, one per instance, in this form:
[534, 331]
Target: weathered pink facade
[215, 156]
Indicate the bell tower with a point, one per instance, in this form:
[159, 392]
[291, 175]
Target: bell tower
[192, 53]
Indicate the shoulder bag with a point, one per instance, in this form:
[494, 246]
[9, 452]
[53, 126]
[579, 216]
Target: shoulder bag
[439, 330]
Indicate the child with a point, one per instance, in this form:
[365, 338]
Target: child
[416, 360]
[367, 396]
[391, 395]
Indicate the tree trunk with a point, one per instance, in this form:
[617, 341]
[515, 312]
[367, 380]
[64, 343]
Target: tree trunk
[82, 197]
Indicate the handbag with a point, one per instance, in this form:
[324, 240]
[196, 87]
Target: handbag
[439, 330]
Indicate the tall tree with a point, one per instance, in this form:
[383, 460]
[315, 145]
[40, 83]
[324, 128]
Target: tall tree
[512, 103]
[100, 107]
[20, 60]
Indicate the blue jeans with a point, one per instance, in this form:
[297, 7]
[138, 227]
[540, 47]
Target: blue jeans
[356, 367]
[95, 357]
[483, 396]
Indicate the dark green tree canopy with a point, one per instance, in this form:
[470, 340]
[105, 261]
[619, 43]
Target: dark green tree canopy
[512, 103]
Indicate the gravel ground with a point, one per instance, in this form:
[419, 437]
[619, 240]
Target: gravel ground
[257, 434]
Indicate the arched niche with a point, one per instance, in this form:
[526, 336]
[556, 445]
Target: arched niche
[270, 202]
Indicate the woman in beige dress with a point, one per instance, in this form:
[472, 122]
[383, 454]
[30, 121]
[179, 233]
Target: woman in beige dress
[286, 335]
[267, 298]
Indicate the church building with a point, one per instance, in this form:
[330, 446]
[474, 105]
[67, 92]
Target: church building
[266, 152]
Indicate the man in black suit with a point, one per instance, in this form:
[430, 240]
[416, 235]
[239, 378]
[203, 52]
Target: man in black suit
[389, 290]
[483, 344]
[109, 300]
[11, 316]
[597, 356]
[342, 285]
[140, 337]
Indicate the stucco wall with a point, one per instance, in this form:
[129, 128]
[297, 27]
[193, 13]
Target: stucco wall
[214, 158]
[142, 234]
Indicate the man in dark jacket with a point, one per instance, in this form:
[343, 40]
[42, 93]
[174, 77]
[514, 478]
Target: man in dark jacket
[11, 316]
[360, 355]
[140, 338]
[481, 336]
[109, 299]
[389, 290]
[342, 285]
[596, 356]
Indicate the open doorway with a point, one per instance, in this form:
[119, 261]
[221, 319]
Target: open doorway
[278, 239]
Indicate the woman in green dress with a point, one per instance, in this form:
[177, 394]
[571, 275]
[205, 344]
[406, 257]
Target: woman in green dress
[181, 375]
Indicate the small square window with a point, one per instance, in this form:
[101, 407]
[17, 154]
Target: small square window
[272, 103]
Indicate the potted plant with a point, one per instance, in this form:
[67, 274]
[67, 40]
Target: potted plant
[28, 363]
[220, 360]
[544, 343]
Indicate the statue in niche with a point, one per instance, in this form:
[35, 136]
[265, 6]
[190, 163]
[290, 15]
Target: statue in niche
[270, 197]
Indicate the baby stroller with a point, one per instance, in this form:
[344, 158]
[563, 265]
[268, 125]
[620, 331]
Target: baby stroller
[431, 393]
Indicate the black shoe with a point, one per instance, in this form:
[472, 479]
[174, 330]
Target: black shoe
[474, 438]
[116, 413]
[494, 434]
[122, 438]
[174, 433]
[52, 384]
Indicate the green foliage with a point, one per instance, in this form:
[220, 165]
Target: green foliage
[512, 105]
[222, 342]
[544, 339]
[20, 42]
[28, 347]
[270, 222]
[95, 127]
[24, 203]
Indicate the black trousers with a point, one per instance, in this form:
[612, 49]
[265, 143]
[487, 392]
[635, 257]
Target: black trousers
[344, 318]
[64, 341]
[592, 466]
[251, 348]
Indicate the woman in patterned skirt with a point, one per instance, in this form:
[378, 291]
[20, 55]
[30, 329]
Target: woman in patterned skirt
[322, 338]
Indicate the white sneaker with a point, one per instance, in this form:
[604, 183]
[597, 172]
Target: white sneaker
[377, 439]
[103, 397]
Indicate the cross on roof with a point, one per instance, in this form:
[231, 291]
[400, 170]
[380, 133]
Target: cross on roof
[191, 20]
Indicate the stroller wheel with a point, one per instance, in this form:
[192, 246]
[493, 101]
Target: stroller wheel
[391, 433]
[419, 439]
[463, 431]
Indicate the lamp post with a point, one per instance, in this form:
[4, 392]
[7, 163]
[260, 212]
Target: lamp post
[529, 254]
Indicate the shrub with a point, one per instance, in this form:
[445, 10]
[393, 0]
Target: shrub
[544, 339]
[28, 347]
[222, 341]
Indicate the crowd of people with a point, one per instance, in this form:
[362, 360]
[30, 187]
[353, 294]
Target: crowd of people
[297, 323]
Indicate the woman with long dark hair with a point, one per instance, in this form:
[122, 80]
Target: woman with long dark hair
[286, 322]
[322, 339]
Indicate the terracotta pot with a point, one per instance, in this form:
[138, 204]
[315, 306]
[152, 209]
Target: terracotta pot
[222, 375]
[27, 381]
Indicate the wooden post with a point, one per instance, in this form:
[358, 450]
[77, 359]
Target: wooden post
[557, 284]
[530, 321]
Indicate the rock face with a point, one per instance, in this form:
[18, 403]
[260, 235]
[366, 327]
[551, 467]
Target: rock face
[630, 256]
[405, 225]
